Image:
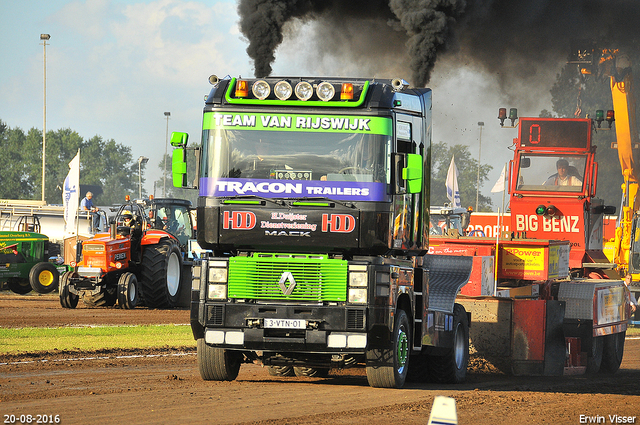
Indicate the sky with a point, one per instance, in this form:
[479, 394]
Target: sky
[114, 67]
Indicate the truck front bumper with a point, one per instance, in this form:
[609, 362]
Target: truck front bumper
[320, 329]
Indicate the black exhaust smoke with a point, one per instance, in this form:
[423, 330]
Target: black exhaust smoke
[512, 38]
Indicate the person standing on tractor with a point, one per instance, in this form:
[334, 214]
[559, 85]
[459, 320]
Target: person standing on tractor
[87, 205]
[136, 233]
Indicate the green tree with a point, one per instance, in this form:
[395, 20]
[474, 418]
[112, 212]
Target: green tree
[441, 154]
[16, 181]
[106, 165]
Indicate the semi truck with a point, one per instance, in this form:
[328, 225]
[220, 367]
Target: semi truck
[314, 205]
[546, 299]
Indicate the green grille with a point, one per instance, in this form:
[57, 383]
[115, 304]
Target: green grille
[317, 277]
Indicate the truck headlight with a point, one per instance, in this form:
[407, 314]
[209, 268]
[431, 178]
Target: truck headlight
[358, 279]
[358, 295]
[218, 275]
[216, 291]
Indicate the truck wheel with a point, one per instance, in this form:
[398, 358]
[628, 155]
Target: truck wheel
[419, 370]
[612, 352]
[67, 299]
[594, 357]
[313, 372]
[387, 368]
[281, 370]
[128, 291]
[451, 368]
[19, 285]
[161, 275]
[217, 364]
[44, 278]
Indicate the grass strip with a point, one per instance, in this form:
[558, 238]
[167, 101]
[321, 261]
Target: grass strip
[29, 340]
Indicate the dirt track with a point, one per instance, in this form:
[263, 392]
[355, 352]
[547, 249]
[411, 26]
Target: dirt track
[164, 386]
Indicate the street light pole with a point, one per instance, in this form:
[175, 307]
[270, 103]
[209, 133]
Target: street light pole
[141, 160]
[44, 38]
[480, 124]
[166, 152]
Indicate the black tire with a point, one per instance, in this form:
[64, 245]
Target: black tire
[612, 352]
[161, 279]
[419, 370]
[19, 285]
[451, 368]
[312, 372]
[44, 278]
[128, 293]
[67, 299]
[281, 370]
[217, 364]
[388, 367]
[594, 357]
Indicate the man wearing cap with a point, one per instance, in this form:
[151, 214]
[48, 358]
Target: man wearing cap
[562, 177]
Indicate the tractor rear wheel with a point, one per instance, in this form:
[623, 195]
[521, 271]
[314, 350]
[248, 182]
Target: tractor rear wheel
[67, 299]
[161, 280]
[128, 294]
[19, 285]
[44, 277]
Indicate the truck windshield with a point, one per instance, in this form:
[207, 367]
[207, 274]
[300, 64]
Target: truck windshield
[549, 173]
[257, 158]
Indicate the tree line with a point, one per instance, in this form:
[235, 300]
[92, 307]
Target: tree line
[106, 167]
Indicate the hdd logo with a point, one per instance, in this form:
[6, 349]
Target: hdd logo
[338, 223]
[238, 220]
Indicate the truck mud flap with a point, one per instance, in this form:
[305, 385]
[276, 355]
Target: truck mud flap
[447, 274]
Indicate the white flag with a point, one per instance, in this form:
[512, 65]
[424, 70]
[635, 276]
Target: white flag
[71, 196]
[452, 184]
[499, 186]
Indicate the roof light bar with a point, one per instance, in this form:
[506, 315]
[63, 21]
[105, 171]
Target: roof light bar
[347, 91]
[242, 88]
[283, 90]
[260, 89]
[325, 91]
[304, 90]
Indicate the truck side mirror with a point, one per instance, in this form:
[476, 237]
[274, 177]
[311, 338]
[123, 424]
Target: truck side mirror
[525, 163]
[179, 168]
[179, 139]
[398, 164]
[412, 173]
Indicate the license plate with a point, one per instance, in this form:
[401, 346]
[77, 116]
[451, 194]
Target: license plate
[285, 323]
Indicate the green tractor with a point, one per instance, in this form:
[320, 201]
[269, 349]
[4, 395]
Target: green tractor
[24, 259]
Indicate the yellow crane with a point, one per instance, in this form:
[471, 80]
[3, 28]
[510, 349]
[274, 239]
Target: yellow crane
[610, 63]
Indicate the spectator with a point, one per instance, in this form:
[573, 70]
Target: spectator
[87, 205]
[632, 298]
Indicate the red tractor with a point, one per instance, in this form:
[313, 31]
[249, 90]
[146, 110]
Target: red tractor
[141, 260]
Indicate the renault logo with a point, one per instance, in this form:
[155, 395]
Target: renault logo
[287, 290]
